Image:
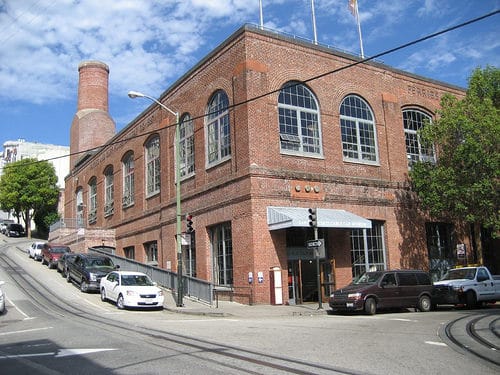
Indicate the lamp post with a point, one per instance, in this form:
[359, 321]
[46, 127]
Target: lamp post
[133, 95]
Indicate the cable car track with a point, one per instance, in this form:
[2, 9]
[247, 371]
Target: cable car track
[232, 357]
[474, 342]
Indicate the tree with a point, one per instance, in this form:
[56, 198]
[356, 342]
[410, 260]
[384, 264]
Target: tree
[28, 187]
[463, 184]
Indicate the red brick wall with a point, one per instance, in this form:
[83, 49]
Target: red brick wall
[257, 175]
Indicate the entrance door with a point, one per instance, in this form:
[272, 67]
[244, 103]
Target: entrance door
[302, 282]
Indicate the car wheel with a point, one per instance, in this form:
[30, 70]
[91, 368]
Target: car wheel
[470, 299]
[43, 261]
[120, 303]
[103, 295]
[424, 304]
[370, 306]
[84, 286]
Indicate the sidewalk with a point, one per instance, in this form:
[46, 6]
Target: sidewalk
[234, 309]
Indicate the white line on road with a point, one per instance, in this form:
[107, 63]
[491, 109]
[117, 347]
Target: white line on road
[435, 343]
[25, 331]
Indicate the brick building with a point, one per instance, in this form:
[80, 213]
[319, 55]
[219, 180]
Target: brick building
[265, 135]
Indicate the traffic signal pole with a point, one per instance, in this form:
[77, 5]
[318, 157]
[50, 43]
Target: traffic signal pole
[313, 222]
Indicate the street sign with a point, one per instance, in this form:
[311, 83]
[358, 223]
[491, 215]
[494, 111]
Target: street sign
[314, 243]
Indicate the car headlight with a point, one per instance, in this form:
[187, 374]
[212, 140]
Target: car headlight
[93, 277]
[131, 293]
[354, 295]
[160, 293]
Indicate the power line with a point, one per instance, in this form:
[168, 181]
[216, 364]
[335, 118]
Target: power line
[362, 61]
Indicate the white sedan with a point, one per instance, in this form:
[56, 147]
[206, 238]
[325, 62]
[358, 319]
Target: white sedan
[131, 289]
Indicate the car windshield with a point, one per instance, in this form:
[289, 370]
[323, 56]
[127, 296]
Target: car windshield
[136, 280]
[99, 262]
[460, 273]
[59, 250]
[368, 278]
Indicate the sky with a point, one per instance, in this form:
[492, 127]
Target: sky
[149, 44]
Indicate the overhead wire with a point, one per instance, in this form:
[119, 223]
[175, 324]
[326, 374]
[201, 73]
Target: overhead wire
[232, 106]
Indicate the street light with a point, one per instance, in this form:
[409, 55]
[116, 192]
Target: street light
[133, 95]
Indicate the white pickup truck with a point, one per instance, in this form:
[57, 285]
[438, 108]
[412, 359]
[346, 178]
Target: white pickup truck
[470, 286]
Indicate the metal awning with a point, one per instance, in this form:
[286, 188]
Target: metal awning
[288, 217]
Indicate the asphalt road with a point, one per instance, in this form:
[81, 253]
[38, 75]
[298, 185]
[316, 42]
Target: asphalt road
[52, 328]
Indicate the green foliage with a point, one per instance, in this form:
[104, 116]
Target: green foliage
[463, 184]
[28, 187]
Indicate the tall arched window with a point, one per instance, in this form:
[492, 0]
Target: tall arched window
[357, 126]
[92, 214]
[128, 180]
[218, 130]
[413, 121]
[153, 166]
[108, 191]
[300, 131]
[79, 208]
[186, 145]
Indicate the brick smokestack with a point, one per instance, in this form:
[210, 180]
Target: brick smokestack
[92, 125]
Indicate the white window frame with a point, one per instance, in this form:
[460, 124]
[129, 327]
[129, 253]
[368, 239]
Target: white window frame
[186, 146]
[92, 214]
[356, 146]
[222, 250]
[152, 166]
[128, 180]
[363, 250]
[108, 191]
[217, 130]
[415, 151]
[303, 136]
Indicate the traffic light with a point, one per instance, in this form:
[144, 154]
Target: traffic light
[313, 222]
[189, 223]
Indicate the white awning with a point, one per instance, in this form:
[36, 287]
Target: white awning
[287, 217]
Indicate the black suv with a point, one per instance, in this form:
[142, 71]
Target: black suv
[385, 290]
[14, 230]
[88, 269]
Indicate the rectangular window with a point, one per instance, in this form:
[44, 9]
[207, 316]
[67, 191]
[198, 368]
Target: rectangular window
[108, 193]
[129, 252]
[151, 249]
[439, 245]
[92, 218]
[368, 249]
[222, 250]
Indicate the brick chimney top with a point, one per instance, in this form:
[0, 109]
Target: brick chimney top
[93, 85]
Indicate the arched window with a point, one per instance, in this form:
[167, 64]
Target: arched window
[186, 145]
[357, 126]
[298, 113]
[413, 121]
[128, 180]
[92, 215]
[108, 191]
[218, 130]
[153, 166]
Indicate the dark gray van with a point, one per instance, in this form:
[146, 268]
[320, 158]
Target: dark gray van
[385, 290]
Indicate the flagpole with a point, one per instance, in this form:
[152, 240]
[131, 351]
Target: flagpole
[359, 30]
[314, 22]
[261, 16]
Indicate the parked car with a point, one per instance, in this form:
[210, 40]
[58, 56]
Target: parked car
[4, 223]
[35, 250]
[88, 269]
[14, 230]
[62, 263]
[51, 253]
[2, 299]
[385, 290]
[470, 286]
[131, 289]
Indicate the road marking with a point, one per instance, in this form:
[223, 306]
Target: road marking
[57, 354]
[435, 343]
[403, 320]
[25, 331]
[26, 316]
